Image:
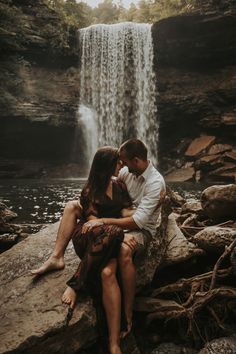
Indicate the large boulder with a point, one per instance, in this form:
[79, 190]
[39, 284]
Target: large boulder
[179, 249]
[183, 174]
[171, 348]
[198, 145]
[32, 316]
[219, 201]
[31, 309]
[215, 238]
[224, 345]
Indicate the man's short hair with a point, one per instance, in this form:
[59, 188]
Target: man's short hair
[134, 148]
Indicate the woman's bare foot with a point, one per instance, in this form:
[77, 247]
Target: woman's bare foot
[115, 349]
[125, 333]
[69, 297]
[53, 263]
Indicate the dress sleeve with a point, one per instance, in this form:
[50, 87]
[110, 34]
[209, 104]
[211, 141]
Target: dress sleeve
[89, 208]
[126, 200]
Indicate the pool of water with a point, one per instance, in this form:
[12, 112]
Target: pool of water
[42, 201]
[39, 201]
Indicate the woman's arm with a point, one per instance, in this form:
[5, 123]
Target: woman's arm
[126, 212]
[124, 223]
[91, 217]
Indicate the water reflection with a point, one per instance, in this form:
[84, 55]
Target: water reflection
[39, 201]
[42, 201]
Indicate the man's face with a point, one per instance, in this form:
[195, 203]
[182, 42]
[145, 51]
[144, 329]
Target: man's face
[131, 164]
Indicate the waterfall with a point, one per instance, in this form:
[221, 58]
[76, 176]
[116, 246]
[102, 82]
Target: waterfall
[118, 82]
[87, 125]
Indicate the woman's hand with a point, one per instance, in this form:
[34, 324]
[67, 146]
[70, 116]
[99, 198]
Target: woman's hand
[89, 225]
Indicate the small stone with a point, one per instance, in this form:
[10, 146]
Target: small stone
[8, 238]
[191, 206]
[230, 156]
[229, 118]
[6, 214]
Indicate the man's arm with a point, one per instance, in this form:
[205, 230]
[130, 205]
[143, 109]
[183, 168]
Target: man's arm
[150, 202]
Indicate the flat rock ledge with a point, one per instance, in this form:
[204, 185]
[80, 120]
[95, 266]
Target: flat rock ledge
[32, 315]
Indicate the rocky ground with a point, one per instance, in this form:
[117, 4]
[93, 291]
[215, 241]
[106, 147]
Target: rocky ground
[193, 300]
[204, 158]
[189, 307]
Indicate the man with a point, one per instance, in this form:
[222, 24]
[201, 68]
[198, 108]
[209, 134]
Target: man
[146, 188]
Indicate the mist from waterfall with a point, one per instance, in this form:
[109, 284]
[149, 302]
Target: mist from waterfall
[87, 125]
[118, 82]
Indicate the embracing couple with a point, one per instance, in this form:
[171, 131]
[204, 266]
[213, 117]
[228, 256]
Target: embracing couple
[111, 227]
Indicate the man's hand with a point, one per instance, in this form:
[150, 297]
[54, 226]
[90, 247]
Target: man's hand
[89, 225]
[130, 241]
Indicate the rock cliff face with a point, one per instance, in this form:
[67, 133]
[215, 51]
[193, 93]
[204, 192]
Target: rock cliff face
[39, 89]
[195, 61]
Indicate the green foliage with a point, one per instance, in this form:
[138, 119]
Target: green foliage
[151, 11]
[72, 16]
[106, 12]
[166, 8]
[79, 14]
[76, 14]
[16, 31]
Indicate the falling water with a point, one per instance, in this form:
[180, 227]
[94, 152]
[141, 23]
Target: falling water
[87, 125]
[118, 82]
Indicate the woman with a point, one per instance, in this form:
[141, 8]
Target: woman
[102, 196]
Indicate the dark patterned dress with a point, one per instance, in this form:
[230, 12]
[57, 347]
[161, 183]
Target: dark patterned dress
[98, 246]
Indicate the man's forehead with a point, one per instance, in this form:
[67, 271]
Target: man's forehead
[122, 155]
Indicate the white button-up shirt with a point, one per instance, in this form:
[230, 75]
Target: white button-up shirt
[145, 191]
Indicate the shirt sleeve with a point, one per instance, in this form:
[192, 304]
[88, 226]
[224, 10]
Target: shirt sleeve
[123, 174]
[149, 203]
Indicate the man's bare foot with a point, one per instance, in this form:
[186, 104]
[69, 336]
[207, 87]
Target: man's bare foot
[125, 333]
[69, 297]
[115, 349]
[52, 263]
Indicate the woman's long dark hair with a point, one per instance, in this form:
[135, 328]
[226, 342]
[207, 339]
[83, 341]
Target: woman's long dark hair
[103, 167]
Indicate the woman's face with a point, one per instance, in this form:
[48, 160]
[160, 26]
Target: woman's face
[119, 165]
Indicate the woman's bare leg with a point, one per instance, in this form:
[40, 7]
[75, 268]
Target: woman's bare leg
[68, 222]
[128, 277]
[112, 305]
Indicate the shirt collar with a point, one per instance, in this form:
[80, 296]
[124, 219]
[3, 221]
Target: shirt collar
[145, 174]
